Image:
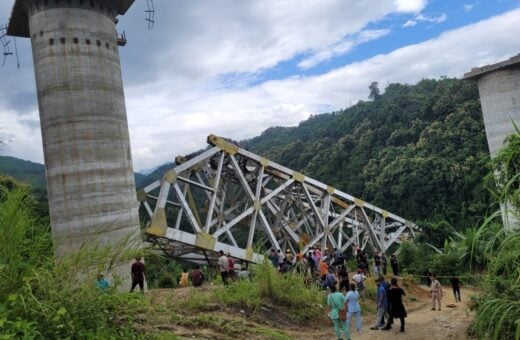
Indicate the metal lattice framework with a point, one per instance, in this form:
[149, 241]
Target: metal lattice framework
[227, 198]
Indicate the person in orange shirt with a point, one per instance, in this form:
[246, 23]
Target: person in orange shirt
[324, 268]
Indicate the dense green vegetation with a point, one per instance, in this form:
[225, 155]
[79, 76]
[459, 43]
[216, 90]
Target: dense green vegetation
[43, 298]
[498, 308]
[418, 150]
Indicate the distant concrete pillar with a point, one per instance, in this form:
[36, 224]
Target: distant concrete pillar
[86, 144]
[499, 91]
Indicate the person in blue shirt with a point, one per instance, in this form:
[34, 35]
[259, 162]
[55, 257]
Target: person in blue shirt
[353, 307]
[381, 304]
[336, 301]
[101, 283]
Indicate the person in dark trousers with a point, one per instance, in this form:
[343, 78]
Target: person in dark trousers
[428, 275]
[223, 264]
[455, 285]
[383, 263]
[138, 273]
[343, 279]
[394, 265]
[395, 299]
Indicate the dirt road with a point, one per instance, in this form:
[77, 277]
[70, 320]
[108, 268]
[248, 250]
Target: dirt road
[421, 323]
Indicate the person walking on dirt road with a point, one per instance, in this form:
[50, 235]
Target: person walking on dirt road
[455, 285]
[381, 303]
[336, 301]
[436, 291]
[395, 299]
[353, 307]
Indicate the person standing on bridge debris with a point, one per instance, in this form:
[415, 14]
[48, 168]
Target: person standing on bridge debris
[436, 291]
[223, 265]
[138, 272]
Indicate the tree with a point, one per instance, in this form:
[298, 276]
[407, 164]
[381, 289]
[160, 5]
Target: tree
[374, 91]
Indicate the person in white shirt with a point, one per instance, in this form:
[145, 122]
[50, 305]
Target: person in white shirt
[359, 280]
[223, 264]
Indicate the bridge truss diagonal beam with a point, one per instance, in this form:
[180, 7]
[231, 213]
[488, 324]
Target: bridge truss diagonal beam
[228, 198]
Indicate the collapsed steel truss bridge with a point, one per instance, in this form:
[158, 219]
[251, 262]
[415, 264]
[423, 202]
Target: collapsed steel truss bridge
[227, 198]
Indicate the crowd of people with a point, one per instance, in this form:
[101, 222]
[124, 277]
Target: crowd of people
[329, 272]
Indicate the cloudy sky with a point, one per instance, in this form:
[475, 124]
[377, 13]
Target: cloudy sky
[237, 67]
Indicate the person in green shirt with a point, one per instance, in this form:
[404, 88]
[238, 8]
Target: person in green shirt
[336, 301]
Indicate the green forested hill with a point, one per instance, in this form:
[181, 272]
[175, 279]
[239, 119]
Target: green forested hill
[417, 150]
[23, 171]
[34, 173]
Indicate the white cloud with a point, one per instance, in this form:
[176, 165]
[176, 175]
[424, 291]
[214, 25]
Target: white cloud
[423, 18]
[192, 75]
[186, 118]
[342, 47]
[410, 5]
[468, 7]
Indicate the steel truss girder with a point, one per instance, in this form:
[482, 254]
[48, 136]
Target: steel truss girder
[247, 201]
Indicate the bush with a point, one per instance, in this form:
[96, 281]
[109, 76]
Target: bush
[43, 298]
[288, 290]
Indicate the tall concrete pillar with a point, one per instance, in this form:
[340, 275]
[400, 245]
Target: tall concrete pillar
[86, 144]
[499, 91]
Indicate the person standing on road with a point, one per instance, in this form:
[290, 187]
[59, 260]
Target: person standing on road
[138, 272]
[336, 301]
[223, 265]
[436, 291]
[353, 307]
[455, 285]
[395, 299]
[380, 303]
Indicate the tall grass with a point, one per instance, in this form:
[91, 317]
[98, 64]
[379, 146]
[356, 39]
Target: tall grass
[44, 298]
[268, 286]
[498, 308]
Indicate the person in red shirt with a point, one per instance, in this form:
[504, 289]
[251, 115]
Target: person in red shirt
[197, 277]
[138, 274]
[231, 267]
